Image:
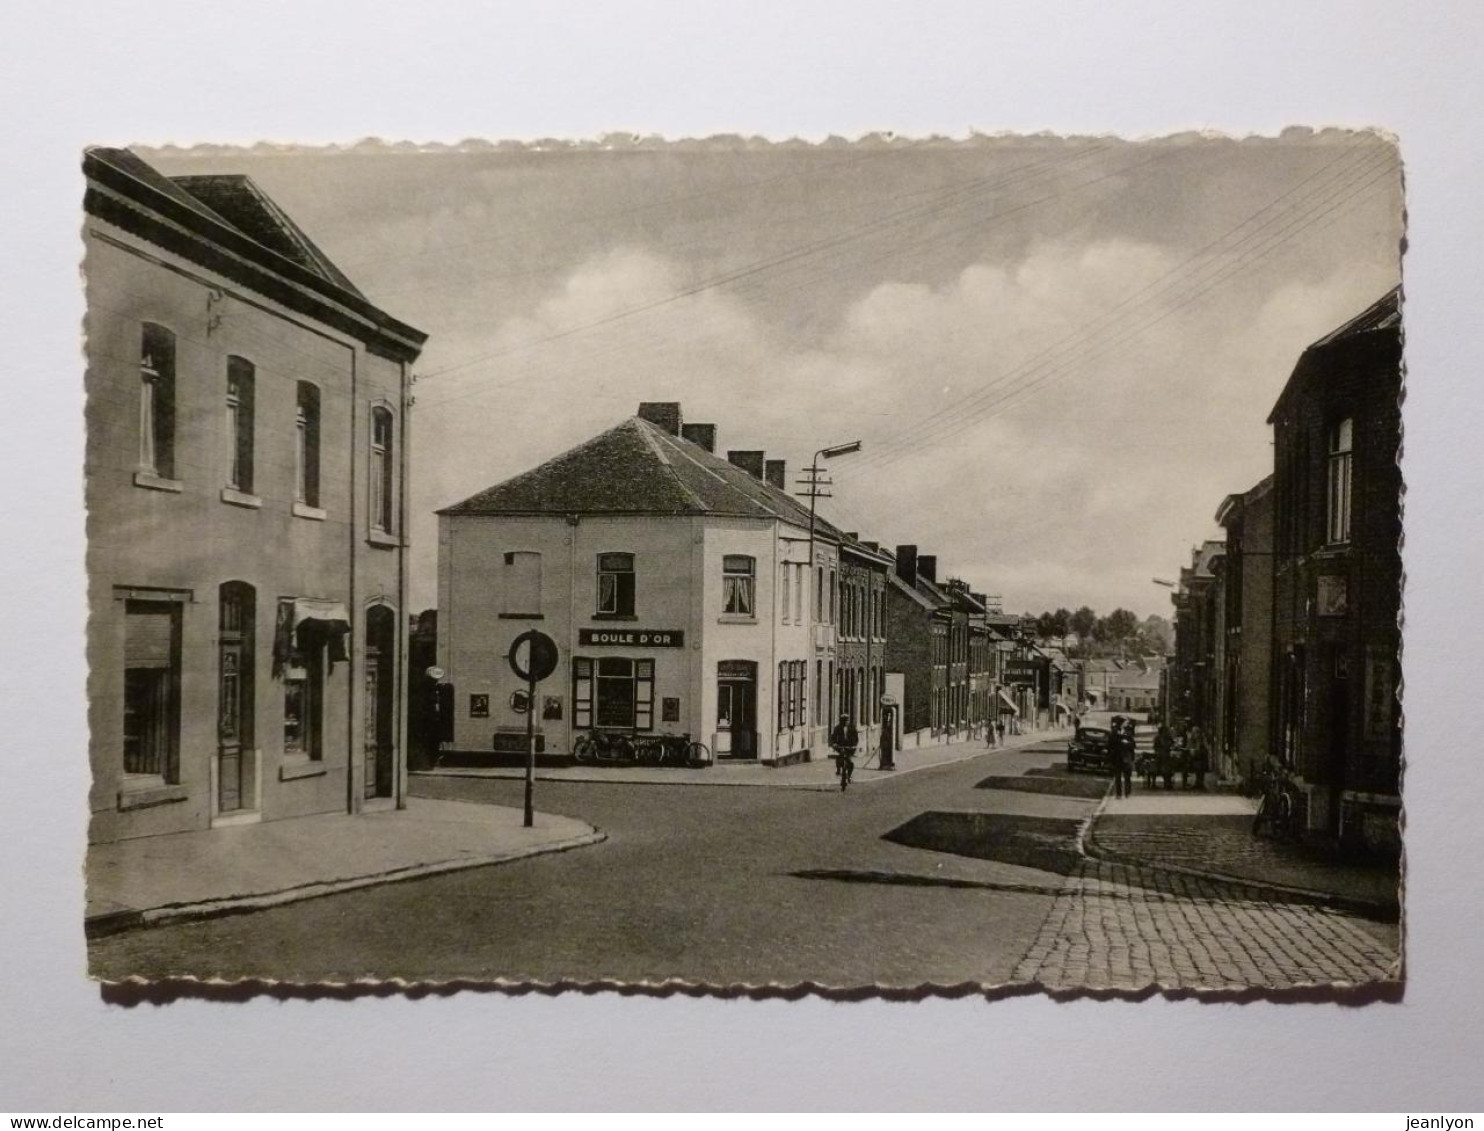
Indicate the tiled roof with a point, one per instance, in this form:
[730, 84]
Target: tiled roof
[237, 200]
[228, 224]
[912, 593]
[1383, 314]
[639, 468]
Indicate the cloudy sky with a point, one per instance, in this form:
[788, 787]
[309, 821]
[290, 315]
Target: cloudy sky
[1059, 355]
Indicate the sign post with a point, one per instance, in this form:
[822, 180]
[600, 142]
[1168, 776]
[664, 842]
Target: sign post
[533, 657]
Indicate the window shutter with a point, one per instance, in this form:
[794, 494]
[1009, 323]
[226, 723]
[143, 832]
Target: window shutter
[148, 636]
[644, 695]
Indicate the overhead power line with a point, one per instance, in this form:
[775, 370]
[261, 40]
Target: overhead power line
[1028, 171]
[1290, 219]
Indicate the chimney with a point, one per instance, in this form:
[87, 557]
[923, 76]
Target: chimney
[702, 434]
[665, 414]
[749, 461]
[927, 567]
[907, 564]
[777, 473]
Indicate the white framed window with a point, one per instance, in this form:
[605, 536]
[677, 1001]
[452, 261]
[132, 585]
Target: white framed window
[157, 401]
[785, 602]
[241, 378]
[616, 585]
[383, 479]
[306, 445]
[738, 585]
[1341, 446]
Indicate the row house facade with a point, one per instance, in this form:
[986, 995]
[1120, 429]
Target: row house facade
[1337, 577]
[1287, 634]
[1245, 740]
[943, 650]
[245, 482]
[684, 591]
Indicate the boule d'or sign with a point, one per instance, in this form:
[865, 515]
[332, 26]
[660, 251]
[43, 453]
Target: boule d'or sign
[630, 638]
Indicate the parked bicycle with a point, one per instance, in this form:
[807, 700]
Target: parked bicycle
[671, 750]
[604, 746]
[617, 748]
[1278, 811]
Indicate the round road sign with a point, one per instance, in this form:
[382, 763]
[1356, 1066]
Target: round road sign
[533, 656]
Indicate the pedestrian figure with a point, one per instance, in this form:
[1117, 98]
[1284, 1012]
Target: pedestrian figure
[1199, 756]
[1164, 756]
[1120, 754]
[843, 740]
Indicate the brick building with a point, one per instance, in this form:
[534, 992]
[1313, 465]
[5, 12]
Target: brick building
[1244, 742]
[1337, 576]
[245, 483]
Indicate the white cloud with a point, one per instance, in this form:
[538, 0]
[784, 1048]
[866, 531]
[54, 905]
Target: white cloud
[1079, 493]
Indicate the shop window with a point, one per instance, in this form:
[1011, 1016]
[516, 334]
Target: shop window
[818, 691]
[783, 693]
[151, 689]
[383, 481]
[303, 693]
[306, 445]
[240, 392]
[738, 579]
[521, 584]
[157, 401]
[1341, 441]
[615, 585]
[614, 693]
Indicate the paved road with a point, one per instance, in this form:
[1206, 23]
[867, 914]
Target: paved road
[762, 886]
[693, 883]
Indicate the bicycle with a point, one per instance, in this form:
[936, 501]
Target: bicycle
[845, 766]
[602, 746]
[1278, 809]
[672, 750]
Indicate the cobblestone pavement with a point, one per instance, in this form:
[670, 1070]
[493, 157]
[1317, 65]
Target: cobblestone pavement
[1225, 845]
[1126, 927]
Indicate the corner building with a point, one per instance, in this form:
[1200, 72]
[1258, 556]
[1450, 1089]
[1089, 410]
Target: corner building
[676, 584]
[245, 483]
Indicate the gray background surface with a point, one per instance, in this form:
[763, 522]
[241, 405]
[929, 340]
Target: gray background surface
[178, 72]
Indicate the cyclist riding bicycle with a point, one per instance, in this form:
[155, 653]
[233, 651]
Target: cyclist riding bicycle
[843, 740]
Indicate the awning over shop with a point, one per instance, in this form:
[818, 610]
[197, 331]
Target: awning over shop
[1007, 705]
[310, 622]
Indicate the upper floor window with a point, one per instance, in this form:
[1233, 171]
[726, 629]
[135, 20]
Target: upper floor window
[616, 585]
[799, 593]
[786, 602]
[306, 445]
[157, 401]
[240, 382]
[382, 481]
[738, 578]
[1341, 440]
[832, 598]
[522, 584]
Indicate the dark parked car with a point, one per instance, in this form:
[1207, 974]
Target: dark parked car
[1088, 747]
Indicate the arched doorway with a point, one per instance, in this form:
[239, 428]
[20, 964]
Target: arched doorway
[379, 722]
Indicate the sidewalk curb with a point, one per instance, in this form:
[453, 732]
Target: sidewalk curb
[114, 922]
[1087, 845]
[478, 774]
